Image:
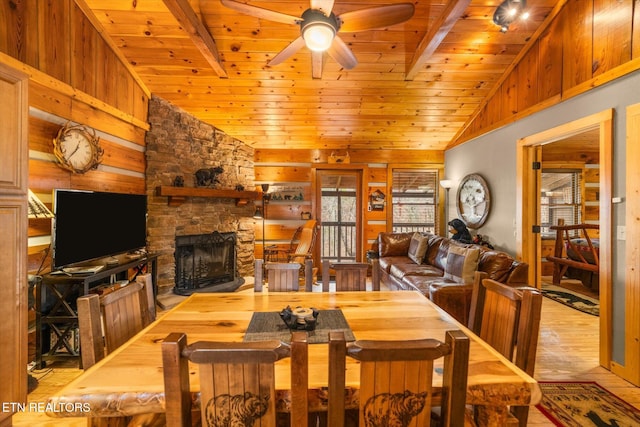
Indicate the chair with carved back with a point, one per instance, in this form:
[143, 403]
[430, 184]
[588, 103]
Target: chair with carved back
[349, 276]
[237, 381]
[508, 319]
[107, 321]
[396, 380]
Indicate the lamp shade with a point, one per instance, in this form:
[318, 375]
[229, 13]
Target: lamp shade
[446, 183]
[37, 209]
[258, 213]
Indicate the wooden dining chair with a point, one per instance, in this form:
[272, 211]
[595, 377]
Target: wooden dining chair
[509, 320]
[281, 276]
[396, 380]
[349, 276]
[107, 321]
[237, 381]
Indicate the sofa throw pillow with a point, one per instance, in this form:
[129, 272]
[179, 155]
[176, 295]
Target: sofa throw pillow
[461, 264]
[418, 247]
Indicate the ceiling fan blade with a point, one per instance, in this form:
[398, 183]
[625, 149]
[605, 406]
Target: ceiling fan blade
[324, 5]
[287, 51]
[317, 59]
[261, 13]
[375, 17]
[341, 53]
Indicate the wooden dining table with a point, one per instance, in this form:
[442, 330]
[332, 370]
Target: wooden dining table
[129, 381]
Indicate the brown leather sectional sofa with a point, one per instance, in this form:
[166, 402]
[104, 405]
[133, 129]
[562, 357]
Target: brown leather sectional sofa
[399, 272]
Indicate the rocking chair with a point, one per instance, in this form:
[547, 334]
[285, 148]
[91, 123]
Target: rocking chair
[300, 247]
[300, 250]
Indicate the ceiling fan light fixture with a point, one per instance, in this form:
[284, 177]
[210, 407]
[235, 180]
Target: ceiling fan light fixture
[318, 30]
[318, 36]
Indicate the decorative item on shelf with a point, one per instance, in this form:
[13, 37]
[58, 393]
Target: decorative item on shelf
[305, 215]
[300, 318]
[376, 201]
[335, 158]
[481, 240]
[77, 148]
[178, 181]
[287, 193]
[473, 201]
[208, 177]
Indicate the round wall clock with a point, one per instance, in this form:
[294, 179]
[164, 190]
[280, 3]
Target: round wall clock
[76, 148]
[473, 201]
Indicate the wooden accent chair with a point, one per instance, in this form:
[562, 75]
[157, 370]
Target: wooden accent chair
[282, 276]
[108, 321]
[509, 320]
[237, 380]
[397, 375]
[349, 276]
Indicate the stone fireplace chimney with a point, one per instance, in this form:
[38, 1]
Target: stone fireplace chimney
[178, 145]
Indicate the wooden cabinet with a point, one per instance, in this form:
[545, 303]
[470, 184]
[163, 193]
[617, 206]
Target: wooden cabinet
[13, 245]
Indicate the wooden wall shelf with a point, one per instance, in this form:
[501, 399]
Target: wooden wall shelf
[178, 195]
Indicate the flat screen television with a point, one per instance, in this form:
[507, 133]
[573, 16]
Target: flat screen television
[90, 225]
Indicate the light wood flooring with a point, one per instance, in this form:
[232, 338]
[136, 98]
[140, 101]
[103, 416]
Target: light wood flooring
[567, 350]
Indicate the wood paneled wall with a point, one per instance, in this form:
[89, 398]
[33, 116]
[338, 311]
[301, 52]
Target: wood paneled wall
[296, 168]
[74, 75]
[584, 44]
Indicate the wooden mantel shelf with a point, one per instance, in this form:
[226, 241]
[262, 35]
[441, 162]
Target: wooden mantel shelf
[177, 195]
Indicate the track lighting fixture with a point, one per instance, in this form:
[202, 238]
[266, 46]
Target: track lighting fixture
[508, 12]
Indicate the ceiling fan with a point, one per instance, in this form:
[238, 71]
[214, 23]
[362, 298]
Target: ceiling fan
[319, 27]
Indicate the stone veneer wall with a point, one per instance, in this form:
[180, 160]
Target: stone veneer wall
[179, 144]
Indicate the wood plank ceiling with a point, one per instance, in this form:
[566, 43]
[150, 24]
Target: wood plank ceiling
[415, 86]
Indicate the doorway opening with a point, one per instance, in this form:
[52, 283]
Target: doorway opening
[339, 209]
[530, 151]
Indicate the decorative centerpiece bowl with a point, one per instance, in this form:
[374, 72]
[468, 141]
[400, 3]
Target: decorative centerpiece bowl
[300, 318]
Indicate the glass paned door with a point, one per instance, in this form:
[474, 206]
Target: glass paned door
[339, 213]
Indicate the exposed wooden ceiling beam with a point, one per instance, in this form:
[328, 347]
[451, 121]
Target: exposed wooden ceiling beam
[198, 33]
[435, 35]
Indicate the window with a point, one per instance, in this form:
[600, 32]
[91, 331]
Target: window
[414, 199]
[560, 198]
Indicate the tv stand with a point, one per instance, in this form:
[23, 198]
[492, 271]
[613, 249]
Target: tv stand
[61, 318]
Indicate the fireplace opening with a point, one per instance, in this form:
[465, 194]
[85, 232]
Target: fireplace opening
[206, 263]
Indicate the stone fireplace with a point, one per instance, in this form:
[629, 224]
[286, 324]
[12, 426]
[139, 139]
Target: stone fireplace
[178, 145]
[206, 263]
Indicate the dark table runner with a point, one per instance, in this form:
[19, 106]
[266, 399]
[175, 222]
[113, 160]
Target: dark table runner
[269, 326]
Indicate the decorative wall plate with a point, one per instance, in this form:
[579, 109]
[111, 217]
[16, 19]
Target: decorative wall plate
[473, 201]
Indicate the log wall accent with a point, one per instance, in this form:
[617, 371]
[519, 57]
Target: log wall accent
[55, 38]
[297, 168]
[73, 75]
[584, 44]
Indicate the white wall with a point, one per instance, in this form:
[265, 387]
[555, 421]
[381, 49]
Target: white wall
[493, 156]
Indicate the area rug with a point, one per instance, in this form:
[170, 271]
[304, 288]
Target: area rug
[572, 299]
[583, 404]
